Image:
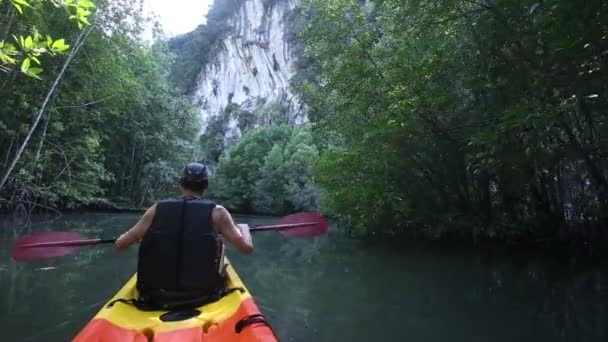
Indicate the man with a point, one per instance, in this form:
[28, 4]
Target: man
[181, 257]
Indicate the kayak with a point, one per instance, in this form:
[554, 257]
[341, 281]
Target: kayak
[234, 317]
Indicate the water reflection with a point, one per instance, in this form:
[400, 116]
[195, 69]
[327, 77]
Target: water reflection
[328, 289]
[47, 300]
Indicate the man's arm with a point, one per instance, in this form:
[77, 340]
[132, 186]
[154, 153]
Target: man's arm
[238, 236]
[137, 231]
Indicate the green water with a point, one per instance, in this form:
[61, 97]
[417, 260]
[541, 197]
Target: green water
[326, 289]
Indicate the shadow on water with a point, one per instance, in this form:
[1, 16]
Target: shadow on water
[329, 288]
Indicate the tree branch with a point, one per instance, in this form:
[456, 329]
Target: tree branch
[9, 24]
[459, 16]
[81, 39]
[86, 104]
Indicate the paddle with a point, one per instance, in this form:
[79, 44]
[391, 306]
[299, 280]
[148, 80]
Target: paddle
[44, 245]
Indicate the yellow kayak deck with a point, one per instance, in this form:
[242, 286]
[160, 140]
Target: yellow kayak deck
[217, 321]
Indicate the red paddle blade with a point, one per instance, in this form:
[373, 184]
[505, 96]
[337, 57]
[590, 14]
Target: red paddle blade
[317, 226]
[22, 252]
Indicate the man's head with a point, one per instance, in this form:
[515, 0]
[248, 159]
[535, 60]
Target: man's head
[194, 178]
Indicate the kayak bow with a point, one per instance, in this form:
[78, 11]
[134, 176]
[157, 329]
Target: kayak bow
[234, 318]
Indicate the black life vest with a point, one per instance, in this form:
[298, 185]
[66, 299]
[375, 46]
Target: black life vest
[180, 254]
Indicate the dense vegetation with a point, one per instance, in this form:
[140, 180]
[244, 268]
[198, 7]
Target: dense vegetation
[475, 119]
[461, 118]
[262, 164]
[268, 171]
[219, 136]
[102, 123]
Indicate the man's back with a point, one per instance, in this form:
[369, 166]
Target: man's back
[181, 250]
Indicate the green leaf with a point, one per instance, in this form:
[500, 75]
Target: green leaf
[7, 48]
[25, 65]
[60, 46]
[28, 44]
[86, 4]
[34, 76]
[34, 71]
[19, 9]
[7, 59]
[35, 59]
[83, 12]
[21, 2]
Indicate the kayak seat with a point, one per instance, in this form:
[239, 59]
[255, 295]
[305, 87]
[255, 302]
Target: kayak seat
[179, 315]
[177, 305]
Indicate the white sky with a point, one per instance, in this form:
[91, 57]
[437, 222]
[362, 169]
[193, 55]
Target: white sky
[178, 16]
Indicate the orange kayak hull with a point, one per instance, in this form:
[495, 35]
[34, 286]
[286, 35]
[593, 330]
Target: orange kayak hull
[218, 321]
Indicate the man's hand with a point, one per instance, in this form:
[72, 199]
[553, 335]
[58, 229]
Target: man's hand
[238, 236]
[137, 231]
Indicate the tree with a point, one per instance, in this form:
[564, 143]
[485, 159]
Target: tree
[114, 132]
[476, 119]
[27, 49]
[268, 171]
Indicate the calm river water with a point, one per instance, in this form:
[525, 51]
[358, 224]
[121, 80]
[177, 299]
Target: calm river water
[326, 289]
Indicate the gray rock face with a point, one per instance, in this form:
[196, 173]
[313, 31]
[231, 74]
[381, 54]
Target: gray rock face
[253, 65]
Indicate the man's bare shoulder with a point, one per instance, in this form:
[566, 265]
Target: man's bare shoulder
[219, 207]
[220, 218]
[219, 211]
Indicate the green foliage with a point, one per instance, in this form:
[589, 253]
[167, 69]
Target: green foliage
[116, 130]
[212, 140]
[216, 137]
[19, 4]
[33, 46]
[272, 113]
[268, 171]
[270, 180]
[451, 118]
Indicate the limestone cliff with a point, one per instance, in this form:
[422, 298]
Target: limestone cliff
[252, 64]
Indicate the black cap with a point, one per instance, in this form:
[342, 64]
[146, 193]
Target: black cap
[195, 172]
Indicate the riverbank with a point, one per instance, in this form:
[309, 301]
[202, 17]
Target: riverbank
[585, 243]
[102, 206]
[581, 241]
